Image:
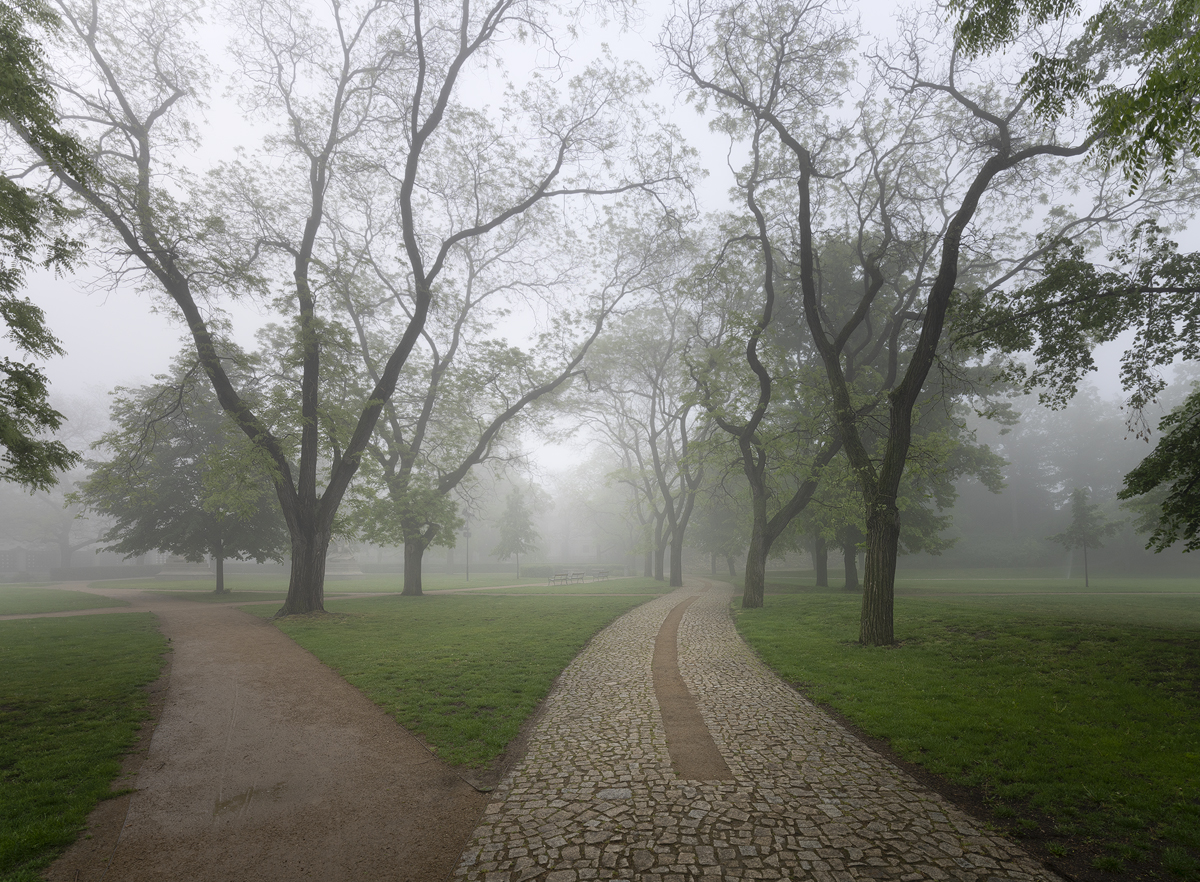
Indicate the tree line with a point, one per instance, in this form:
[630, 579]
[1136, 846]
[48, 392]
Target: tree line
[917, 228]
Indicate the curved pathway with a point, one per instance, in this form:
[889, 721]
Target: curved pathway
[596, 796]
[265, 765]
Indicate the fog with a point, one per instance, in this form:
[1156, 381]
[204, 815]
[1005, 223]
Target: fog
[117, 330]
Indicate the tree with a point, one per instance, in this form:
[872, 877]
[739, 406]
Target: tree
[29, 225]
[469, 391]
[1088, 528]
[764, 397]
[640, 399]
[182, 479]
[1171, 474]
[925, 181]
[365, 110]
[1136, 65]
[517, 533]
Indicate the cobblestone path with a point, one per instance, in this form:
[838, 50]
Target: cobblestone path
[596, 798]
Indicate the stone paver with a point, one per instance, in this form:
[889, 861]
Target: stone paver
[596, 798]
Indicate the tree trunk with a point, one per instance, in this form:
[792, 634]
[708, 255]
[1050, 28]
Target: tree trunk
[659, 571]
[732, 568]
[518, 566]
[821, 560]
[756, 569]
[883, 539]
[306, 586]
[414, 551]
[1085, 568]
[713, 563]
[648, 567]
[677, 560]
[219, 564]
[850, 563]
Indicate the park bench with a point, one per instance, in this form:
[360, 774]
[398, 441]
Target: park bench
[559, 578]
[577, 575]
[600, 576]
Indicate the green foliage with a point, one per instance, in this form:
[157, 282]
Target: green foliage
[72, 706]
[183, 479]
[1149, 287]
[464, 672]
[1136, 66]
[1079, 709]
[27, 226]
[1171, 473]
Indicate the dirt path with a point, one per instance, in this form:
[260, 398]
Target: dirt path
[265, 765]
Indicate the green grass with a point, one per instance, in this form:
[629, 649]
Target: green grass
[645, 587]
[464, 671]
[1076, 717]
[377, 583]
[70, 706]
[25, 599]
[238, 596]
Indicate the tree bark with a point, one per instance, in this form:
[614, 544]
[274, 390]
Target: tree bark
[732, 568]
[677, 560]
[883, 537]
[414, 552]
[1085, 568]
[821, 560]
[713, 563]
[219, 565]
[306, 585]
[756, 569]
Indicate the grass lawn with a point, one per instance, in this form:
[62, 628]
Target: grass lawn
[18, 600]
[70, 706]
[1076, 717]
[462, 670]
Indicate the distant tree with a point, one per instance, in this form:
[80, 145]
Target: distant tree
[517, 534]
[1088, 528]
[183, 479]
[28, 223]
[1169, 479]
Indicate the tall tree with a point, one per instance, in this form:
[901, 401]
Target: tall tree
[925, 182]
[31, 231]
[763, 394]
[1088, 528]
[182, 479]
[469, 390]
[641, 399]
[365, 105]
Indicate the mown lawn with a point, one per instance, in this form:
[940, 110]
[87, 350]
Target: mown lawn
[464, 671]
[70, 705]
[16, 600]
[1076, 717]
